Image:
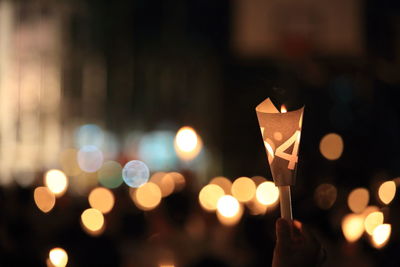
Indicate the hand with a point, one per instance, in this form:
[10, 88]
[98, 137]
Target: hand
[296, 246]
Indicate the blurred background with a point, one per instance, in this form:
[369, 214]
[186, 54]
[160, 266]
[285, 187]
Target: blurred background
[88, 86]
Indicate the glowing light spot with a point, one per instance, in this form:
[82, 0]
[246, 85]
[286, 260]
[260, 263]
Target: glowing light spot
[69, 162]
[82, 183]
[222, 182]
[228, 206]
[325, 196]
[89, 135]
[147, 196]
[267, 193]
[92, 219]
[110, 174]
[56, 181]
[230, 221]
[101, 199]
[387, 192]
[164, 181]
[90, 158]
[209, 196]
[44, 199]
[243, 189]
[256, 208]
[358, 200]
[187, 143]
[58, 257]
[258, 180]
[373, 220]
[283, 109]
[278, 136]
[157, 150]
[381, 235]
[331, 146]
[353, 227]
[135, 173]
[179, 181]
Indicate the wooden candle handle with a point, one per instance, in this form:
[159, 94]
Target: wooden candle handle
[285, 202]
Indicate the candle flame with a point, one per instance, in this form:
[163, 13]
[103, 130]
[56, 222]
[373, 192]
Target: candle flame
[283, 109]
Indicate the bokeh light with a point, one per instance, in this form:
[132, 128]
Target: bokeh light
[358, 199]
[223, 182]
[387, 191]
[267, 193]
[331, 146]
[209, 196]
[90, 158]
[164, 181]
[228, 206]
[44, 198]
[101, 199]
[110, 174]
[147, 196]
[157, 150]
[135, 173]
[233, 220]
[373, 220]
[89, 135]
[258, 180]
[69, 162]
[179, 180]
[56, 181]
[187, 143]
[353, 227]
[381, 235]
[92, 219]
[243, 189]
[58, 257]
[325, 196]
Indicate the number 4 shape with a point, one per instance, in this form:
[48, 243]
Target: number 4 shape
[292, 158]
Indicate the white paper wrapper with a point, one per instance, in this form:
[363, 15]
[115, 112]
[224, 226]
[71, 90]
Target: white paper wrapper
[281, 135]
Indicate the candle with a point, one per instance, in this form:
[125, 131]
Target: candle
[281, 136]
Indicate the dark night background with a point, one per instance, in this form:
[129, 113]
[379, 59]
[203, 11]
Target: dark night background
[175, 63]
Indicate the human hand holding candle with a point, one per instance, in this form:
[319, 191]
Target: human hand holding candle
[281, 135]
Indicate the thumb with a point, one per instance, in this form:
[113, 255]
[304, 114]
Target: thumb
[283, 232]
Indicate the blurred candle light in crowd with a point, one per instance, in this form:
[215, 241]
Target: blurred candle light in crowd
[228, 206]
[92, 220]
[381, 235]
[101, 199]
[372, 221]
[187, 143]
[110, 174]
[222, 182]
[209, 196]
[147, 196]
[69, 162]
[44, 199]
[358, 199]
[258, 180]
[164, 181]
[353, 227]
[135, 173]
[167, 265]
[229, 210]
[267, 193]
[331, 146]
[255, 207]
[56, 181]
[90, 158]
[179, 180]
[58, 257]
[387, 191]
[243, 189]
[325, 196]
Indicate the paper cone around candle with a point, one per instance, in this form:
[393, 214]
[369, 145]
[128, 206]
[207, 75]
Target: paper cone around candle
[281, 135]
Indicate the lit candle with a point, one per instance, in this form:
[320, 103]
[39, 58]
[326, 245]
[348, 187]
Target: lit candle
[281, 135]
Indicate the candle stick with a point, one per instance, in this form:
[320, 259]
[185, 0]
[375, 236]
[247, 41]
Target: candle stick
[281, 135]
